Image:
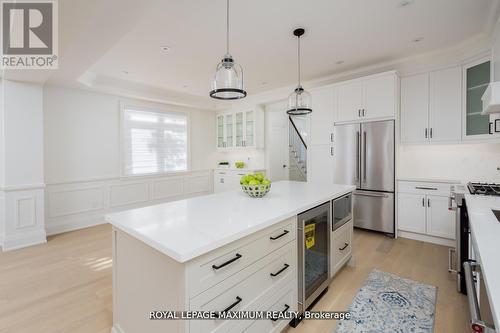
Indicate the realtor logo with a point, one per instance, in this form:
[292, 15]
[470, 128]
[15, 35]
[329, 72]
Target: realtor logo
[29, 34]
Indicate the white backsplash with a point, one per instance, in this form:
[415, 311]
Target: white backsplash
[253, 158]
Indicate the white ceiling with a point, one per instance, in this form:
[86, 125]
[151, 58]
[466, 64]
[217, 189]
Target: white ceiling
[102, 39]
[359, 32]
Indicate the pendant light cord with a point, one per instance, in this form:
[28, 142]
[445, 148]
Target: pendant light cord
[227, 27]
[298, 57]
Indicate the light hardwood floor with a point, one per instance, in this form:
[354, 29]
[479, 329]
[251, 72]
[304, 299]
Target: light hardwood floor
[65, 285]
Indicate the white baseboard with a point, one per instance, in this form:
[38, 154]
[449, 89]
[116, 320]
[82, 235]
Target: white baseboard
[427, 238]
[72, 225]
[15, 242]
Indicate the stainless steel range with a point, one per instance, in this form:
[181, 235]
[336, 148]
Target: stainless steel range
[484, 189]
[468, 269]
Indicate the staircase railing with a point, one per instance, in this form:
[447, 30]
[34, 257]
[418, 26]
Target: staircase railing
[298, 150]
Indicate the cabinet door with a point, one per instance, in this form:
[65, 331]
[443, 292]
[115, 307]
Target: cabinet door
[229, 128]
[379, 96]
[411, 212]
[476, 80]
[445, 123]
[349, 101]
[415, 108]
[249, 129]
[239, 129]
[320, 163]
[322, 117]
[440, 220]
[220, 131]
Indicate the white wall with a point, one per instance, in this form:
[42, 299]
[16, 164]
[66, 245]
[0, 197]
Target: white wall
[463, 162]
[82, 160]
[82, 138]
[21, 187]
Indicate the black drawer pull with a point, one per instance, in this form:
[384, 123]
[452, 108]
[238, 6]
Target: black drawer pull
[426, 188]
[238, 256]
[286, 309]
[344, 247]
[238, 300]
[497, 122]
[280, 235]
[280, 271]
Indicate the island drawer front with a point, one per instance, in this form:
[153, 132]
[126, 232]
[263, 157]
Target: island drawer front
[341, 246]
[284, 299]
[245, 290]
[236, 256]
[424, 188]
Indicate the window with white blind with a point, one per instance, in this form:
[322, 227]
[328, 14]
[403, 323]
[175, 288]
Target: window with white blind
[153, 141]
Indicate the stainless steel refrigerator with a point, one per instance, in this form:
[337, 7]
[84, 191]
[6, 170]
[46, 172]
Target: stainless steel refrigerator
[364, 156]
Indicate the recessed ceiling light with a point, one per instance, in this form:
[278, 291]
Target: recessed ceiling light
[165, 48]
[340, 62]
[184, 86]
[125, 72]
[264, 83]
[418, 39]
[404, 3]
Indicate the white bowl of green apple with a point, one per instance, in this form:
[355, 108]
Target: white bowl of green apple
[255, 185]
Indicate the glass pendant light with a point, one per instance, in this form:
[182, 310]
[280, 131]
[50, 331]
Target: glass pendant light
[299, 101]
[228, 79]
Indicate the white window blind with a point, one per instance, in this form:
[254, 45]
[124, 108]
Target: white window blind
[154, 142]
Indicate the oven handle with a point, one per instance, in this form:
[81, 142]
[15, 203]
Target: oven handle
[475, 316]
[451, 251]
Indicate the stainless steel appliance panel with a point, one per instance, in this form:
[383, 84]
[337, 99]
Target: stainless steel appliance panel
[314, 228]
[374, 211]
[341, 211]
[347, 146]
[377, 156]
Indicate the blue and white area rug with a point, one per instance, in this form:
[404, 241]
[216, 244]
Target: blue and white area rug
[389, 303]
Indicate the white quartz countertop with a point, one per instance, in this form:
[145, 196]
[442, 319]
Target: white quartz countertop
[189, 228]
[485, 230]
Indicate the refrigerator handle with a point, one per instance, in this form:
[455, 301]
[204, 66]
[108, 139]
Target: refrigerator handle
[364, 156]
[358, 138]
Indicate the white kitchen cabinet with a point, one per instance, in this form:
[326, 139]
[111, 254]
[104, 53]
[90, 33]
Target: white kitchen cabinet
[367, 98]
[225, 130]
[322, 117]
[431, 105]
[411, 208]
[476, 126]
[341, 247]
[415, 108]
[423, 211]
[229, 179]
[240, 129]
[445, 107]
[440, 221]
[349, 101]
[320, 163]
[380, 99]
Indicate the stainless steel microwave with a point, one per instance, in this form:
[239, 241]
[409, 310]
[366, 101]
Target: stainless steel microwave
[341, 211]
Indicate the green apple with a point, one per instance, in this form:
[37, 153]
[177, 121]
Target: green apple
[253, 182]
[266, 182]
[259, 177]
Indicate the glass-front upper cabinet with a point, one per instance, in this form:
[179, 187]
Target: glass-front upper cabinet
[477, 76]
[220, 131]
[249, 129]
[239, 129]
[229, 130]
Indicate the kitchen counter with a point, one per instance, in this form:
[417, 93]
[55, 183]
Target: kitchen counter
[485, 231]
[189, 228]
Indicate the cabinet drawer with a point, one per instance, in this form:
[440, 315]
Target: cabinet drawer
[424, 188]
[341, 248]
[220, 264]
[245, 290]
[284, 299]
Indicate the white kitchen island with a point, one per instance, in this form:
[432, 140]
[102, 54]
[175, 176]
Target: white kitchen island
[211, 253]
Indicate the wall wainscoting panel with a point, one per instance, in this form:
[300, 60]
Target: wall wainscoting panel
[23, 217]
[76, 205]
[128, 194]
